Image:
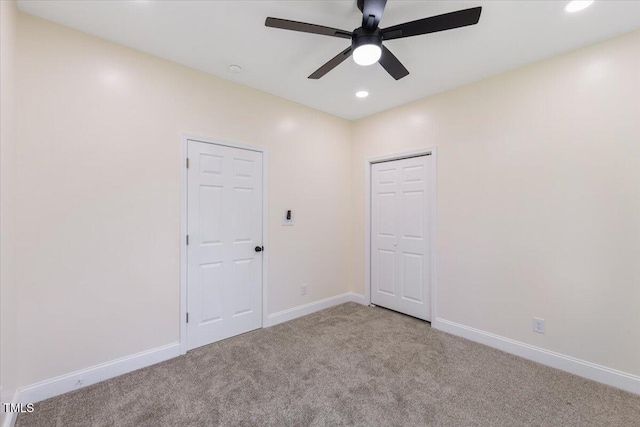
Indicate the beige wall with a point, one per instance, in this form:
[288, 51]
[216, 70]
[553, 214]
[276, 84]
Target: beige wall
[8, 379]
[534, 167]
[538, 200]
[99, 131]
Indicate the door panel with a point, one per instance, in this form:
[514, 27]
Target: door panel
[412, 278]
[387, 214]
[224, 222]
[212, 279]
[386, 269]
[413, 214]
[211, 207]
[400, 235]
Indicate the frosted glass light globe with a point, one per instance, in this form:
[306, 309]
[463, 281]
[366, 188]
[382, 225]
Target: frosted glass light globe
[367, 54]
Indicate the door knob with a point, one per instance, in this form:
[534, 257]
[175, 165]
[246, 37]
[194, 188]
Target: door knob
[259, 248]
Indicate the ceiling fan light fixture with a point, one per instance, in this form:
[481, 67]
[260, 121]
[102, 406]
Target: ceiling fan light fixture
[367, 54]
[577, 5]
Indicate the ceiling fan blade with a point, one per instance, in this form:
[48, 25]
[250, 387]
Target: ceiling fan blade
[372, 11]
[303, 27]
[333, 63]
[433, 24]
[393, 66]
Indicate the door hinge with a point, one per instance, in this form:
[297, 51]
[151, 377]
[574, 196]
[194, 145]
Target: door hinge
[187, 163]
[187, 240]
[187, 317]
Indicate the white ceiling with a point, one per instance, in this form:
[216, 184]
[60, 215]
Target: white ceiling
[211, 35]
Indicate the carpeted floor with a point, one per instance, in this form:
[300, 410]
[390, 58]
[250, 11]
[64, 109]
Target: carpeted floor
[348, 365]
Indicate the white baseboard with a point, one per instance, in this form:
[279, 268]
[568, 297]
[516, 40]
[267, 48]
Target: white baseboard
[354, 297]
[9, 417]
[582, 368]
[95, 374]
[312, 307]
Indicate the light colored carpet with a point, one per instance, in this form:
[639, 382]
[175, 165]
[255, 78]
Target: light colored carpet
[348, 365]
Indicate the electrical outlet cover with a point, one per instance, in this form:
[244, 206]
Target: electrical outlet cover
[538, 325]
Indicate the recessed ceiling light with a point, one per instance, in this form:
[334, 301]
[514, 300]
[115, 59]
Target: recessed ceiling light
[577, 5]
[362, 94]
[235, 69]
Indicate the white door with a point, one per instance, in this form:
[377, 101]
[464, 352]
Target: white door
[224, 227]
[400, 235]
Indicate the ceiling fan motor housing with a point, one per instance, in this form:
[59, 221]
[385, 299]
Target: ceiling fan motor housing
[362, 36]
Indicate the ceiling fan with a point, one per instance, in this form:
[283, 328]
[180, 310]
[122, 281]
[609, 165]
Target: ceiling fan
[366, 41]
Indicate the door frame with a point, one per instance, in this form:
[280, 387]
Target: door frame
[183, 225]
[432, 224]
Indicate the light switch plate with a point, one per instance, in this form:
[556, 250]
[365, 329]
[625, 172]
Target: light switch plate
[286, 221]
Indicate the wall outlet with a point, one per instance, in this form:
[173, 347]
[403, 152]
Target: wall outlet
[538, 325]
[303, 289]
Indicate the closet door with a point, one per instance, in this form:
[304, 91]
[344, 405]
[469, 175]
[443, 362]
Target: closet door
[400, 235]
